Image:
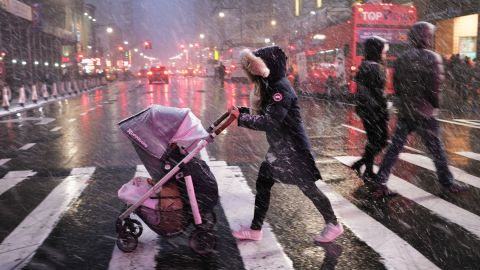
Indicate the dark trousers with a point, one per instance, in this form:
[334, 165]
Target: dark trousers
[262, 199]
[429, 130]
[377, 135]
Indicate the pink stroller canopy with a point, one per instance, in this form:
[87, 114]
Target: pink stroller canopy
[156, 127]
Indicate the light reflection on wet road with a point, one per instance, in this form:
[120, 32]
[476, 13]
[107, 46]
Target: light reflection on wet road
[82, 239]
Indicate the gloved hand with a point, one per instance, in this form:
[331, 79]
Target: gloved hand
[244, 109]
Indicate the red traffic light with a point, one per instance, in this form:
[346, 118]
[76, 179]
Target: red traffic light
[147, 45]
[2, 54]
[120, 48]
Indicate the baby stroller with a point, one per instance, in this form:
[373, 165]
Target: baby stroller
[167, 140]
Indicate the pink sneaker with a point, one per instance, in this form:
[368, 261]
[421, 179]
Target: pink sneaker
[330, 232]
[248, 234]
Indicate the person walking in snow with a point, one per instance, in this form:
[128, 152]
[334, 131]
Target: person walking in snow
[289, 160]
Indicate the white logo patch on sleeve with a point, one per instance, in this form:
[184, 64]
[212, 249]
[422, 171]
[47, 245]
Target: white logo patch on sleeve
[277, 97]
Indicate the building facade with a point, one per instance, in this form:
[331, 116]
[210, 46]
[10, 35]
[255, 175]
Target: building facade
[42, 39]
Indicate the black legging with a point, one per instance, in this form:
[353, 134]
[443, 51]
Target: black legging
[262, 198]
[377, 135]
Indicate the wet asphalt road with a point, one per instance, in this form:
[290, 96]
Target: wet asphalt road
[89, 137]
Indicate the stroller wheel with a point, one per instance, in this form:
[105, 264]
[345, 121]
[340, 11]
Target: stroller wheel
[129, 225]
[127, 242]
[134, 227]
[209, 220]
[203, 241]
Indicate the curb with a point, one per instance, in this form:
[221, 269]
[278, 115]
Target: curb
[17, 108]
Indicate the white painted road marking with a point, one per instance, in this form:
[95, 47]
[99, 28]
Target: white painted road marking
[45, 120]
[405, 146]
[72, 120]
[468, 121]
[237, 200]
[27, 146]
[396, 253]
[55, 129]
[471, 155]
[4, 160]
[19, 246]
[427, 163]
[458, 123]
[441, 208]
[147, 250]
[13, 178]
[42, 120]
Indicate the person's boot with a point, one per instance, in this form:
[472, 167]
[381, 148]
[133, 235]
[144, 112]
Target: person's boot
[455, 187]
[248, 234]
[368, 177]
[357, 165]
[381, 190]
[329, 233]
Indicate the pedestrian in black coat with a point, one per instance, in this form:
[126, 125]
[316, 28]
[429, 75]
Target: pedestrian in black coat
[372, 103]
[417, 81]
[289, 159]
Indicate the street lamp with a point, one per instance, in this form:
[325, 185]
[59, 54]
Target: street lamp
[221, 14]
[125, 42]
[202, 36]
[273, 22]
[109, 30]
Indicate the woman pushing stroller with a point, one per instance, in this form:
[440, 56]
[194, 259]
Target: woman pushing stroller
[289, 160]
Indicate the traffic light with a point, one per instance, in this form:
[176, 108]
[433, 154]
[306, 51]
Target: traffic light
[147, 45]
[120, 48]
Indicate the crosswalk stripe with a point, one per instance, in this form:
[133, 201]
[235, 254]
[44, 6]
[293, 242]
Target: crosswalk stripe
[13, 178]
[72, 120]
[396, 253]
[55, 129]
[471, 155]
[237, 200]
[427, 163]
[4, 160]
[390, 141]
[27, 146]
[147, 250]
[458, 123]
[436, 205]
[471, 122]
[20, 245]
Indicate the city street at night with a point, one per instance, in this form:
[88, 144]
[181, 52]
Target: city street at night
[63, 162]
[239, 135]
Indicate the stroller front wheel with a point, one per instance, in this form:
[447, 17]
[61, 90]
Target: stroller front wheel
[127, 242]
[203, 241]
[129, 225]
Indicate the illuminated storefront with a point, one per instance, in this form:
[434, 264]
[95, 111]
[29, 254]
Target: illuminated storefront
[457, 36]
[457, 26]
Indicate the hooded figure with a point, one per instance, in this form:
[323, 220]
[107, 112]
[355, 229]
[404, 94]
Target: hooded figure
[289, 159]
[418, 75]
[372, 103]
[417, 79]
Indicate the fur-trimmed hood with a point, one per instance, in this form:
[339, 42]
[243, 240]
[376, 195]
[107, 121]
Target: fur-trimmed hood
[268, 62]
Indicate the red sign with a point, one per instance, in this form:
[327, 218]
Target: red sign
[384, 14]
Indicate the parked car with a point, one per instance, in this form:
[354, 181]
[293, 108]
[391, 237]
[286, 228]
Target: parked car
[157, 74]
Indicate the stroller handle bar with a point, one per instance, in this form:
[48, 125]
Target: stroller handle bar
[214, 128]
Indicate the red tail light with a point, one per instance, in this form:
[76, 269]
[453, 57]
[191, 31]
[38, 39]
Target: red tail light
[149, 73]
[165, 72]
[139, 74]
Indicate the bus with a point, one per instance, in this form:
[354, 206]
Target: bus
[325, 61]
